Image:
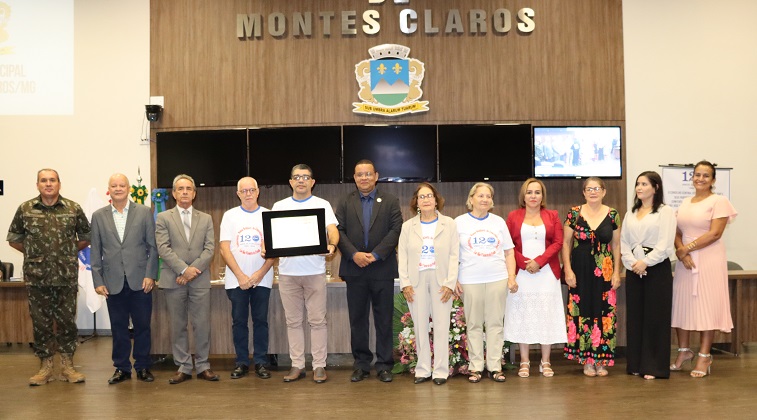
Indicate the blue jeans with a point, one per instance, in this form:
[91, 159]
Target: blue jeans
[253, 301]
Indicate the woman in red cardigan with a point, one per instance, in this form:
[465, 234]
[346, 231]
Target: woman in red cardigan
[534, 312]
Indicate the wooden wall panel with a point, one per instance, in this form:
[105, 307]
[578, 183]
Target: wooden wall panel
[569, 68]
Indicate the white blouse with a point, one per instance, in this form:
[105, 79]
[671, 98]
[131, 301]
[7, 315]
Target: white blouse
[655, 230]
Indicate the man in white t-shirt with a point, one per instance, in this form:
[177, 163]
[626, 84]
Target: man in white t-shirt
[248, 278]
[302, 282]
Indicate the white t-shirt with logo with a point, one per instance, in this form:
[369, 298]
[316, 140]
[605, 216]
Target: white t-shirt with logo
[244, 231]
[482, 248]
[306, 265]
[428, 257]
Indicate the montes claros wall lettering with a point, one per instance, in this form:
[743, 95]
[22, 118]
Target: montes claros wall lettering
[478, 22]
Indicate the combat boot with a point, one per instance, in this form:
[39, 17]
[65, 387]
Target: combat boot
[45, 373]
[67, 371]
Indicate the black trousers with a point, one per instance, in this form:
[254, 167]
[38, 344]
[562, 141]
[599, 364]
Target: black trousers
[362, 294]
[649, 300]
[137, 306]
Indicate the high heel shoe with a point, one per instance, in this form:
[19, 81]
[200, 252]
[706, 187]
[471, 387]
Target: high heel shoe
[523, 372]
[545, 368]
[673, 366]
[699, 373]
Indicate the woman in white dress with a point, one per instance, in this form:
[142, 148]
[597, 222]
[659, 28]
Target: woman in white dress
[487, 268]
[534, 312]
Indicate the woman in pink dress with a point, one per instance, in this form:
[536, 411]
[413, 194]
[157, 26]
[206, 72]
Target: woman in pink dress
[700, 286]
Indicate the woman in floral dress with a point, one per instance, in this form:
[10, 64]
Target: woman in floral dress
[591, 261]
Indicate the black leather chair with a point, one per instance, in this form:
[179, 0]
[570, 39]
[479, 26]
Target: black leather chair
[732, 265]
[6, 271]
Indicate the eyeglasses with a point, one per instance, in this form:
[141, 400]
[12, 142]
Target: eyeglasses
[593, 189]
[363, 174]
[248, 191]
[425, 196]
[302, 177]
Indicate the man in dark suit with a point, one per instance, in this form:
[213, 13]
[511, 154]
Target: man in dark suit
[369, 226]
[185, 243]
[124, 269]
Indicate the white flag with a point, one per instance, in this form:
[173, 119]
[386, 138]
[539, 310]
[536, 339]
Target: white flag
[93, 300]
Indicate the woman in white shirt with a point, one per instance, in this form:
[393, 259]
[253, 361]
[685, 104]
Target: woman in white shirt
[487, 270]
[646, 243]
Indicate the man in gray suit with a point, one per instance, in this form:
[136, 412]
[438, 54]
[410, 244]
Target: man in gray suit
[185, 242]
[370, 221]
[124, 268]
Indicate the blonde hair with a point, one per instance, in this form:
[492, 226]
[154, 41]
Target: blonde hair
[472, 192]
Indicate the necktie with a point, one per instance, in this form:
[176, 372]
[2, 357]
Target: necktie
[187, 221]
[367, 202]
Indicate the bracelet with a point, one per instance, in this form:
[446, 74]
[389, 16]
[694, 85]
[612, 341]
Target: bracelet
[691, 245]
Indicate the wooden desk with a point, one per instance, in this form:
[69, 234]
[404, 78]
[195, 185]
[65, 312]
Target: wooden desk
[742, 286]
[15, 321]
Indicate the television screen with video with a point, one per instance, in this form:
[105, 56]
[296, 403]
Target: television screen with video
[577, 152]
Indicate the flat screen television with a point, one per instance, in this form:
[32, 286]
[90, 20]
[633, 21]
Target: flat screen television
[577, 152]
[274, 151]
[472, 153]
[401, 153]
[212, 158]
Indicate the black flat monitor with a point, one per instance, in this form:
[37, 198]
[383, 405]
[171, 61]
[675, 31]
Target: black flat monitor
[401, 153]
[485, 152]
[577, 152]
[213, 158]
[274, 151]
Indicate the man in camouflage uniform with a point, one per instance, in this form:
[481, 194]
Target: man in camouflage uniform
[50, 230]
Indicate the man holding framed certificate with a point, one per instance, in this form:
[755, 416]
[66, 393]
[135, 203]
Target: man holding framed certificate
[302, 279]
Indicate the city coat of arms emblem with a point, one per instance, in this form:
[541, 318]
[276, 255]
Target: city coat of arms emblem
[390, 82]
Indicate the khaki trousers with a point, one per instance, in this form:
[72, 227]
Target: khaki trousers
[299, 293]
[484, 305]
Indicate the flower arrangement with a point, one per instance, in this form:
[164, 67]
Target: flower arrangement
[404, 342]
[458, 340]
[405, 346]
[405, 354]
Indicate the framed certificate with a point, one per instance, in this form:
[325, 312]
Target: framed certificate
[289, 233]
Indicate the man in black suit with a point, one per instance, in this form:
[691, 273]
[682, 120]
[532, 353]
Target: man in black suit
[124, 268]
[369, 226]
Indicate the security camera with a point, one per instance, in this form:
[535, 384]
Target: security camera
[153, 112]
